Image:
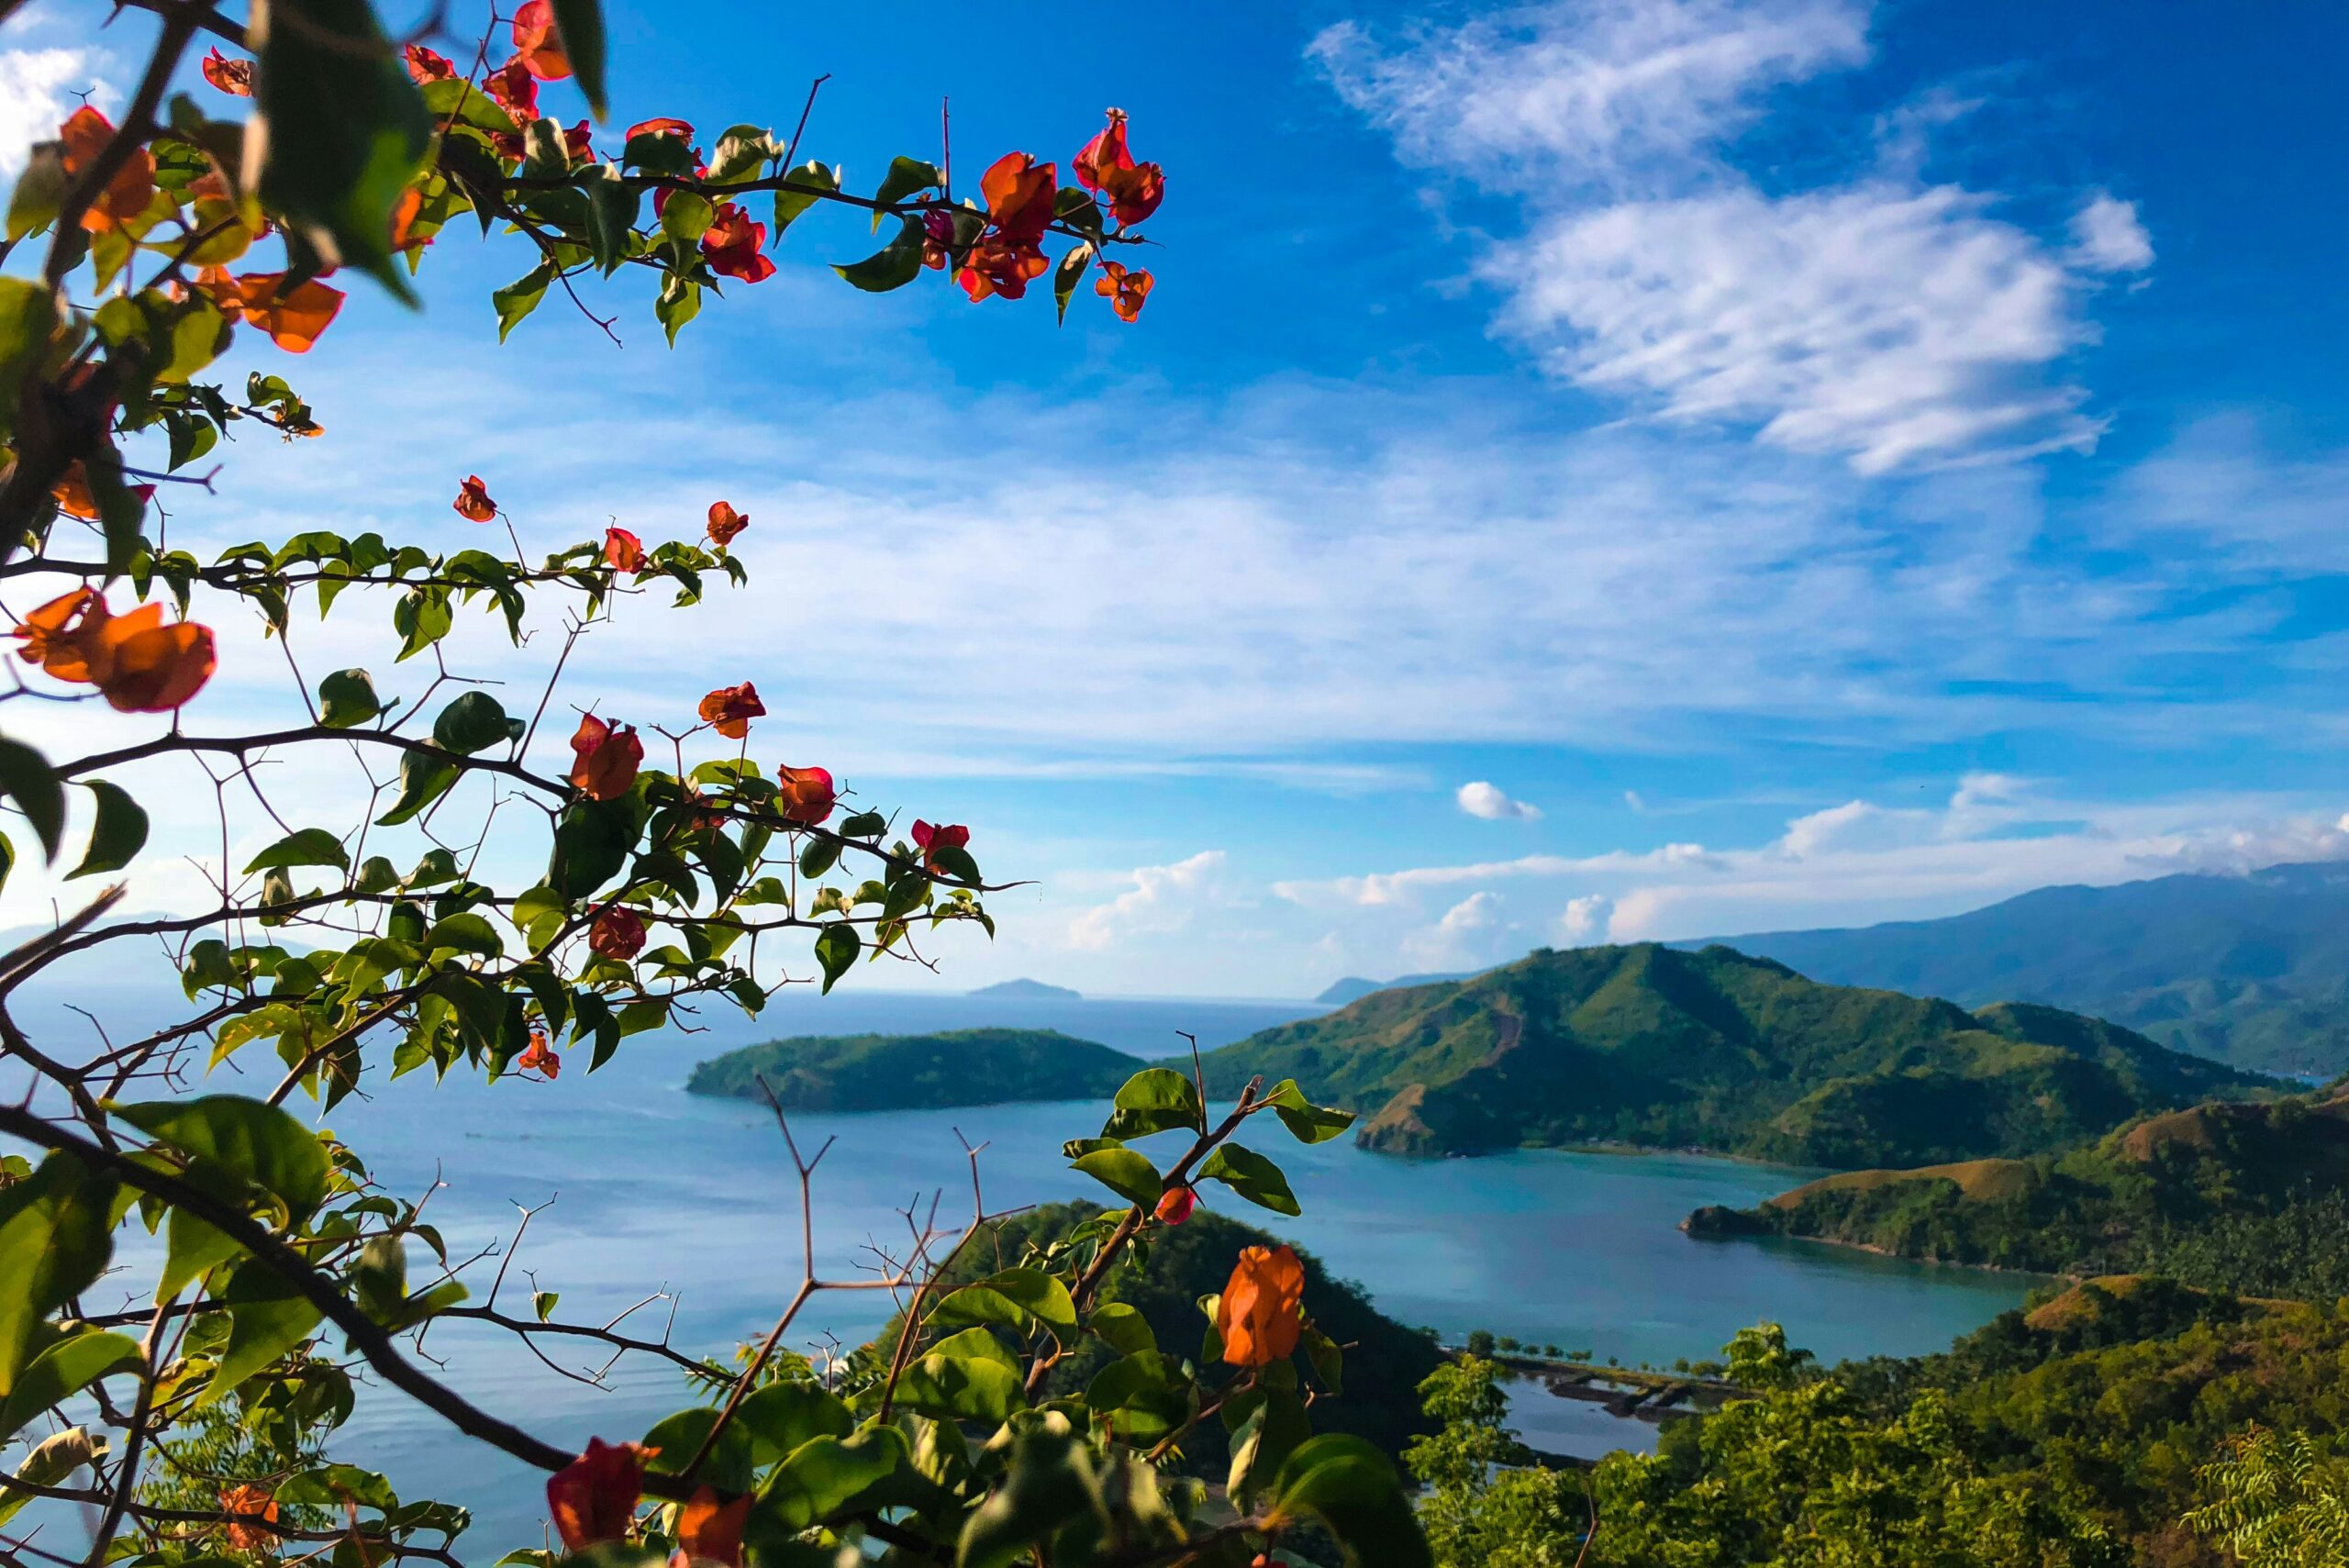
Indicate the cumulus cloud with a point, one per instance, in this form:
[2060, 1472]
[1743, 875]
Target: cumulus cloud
[1585, 919]
[1162, 899]
[38, 87]
[1464, 935]
[1488, 801]
[1883, 320]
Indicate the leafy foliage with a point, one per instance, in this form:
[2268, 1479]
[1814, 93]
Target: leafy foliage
[959, 1067]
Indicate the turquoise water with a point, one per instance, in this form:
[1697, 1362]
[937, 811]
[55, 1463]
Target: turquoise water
[652, 1188]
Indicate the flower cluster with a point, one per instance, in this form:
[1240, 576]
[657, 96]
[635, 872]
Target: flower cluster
[138, 662]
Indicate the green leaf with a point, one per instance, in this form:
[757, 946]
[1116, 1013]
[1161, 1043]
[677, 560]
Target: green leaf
[686, 215]
[579, 24]
[474, 722]
[1068, 274]
[425, 777]
[824, 1477]
[679, 302]
[8, 859]
[1143, 1395]
[1250, 1175]
[62, 1370]
[679, 1437]
[25, 778]
[818, 857]
[1130, 1175]
[522, 296]
[1274, 1424]
[591, 845]
[1049, 1482]
[740, 154]
[542, 1303]
[613, 206]
[814, 178]
[118, 834]
[1123, 1329]
[266, 1318]
[342, 126]
[836, 948]
[1015, 1297]
[1157, 1100]
[1329, 1361]
[459, 101]
[55, 1238]
[905, 176]
[27, 316]
[256, 1140]
[1306, 1121]
[304, 847]
[1348, 1488]
[893, 266]
[347, 698]
[783, 1415]
[39, 197]
[960, 1388]
[52, 1460]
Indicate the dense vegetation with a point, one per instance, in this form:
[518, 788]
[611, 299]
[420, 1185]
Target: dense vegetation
[2253, 1199]
[2249, 969]
[1655, 1045]
[880, 1072]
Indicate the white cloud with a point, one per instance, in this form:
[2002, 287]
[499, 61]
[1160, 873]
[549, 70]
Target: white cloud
[2106, 235]
[1161, 900]
[1585, 919]
[1882, 319]
[1462, 936]
[38, 87]
[1488, 801]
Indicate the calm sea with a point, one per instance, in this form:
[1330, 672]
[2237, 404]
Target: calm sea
[652, 1189]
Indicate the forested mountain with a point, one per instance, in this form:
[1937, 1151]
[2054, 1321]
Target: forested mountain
[2251, 969]
[2253, 1199]
[1655, 1045]
[906, 1071]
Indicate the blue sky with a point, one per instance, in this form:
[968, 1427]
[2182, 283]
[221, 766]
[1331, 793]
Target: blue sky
[1807, 462]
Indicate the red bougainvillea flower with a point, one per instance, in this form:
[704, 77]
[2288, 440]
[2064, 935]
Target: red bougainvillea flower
[539, 1057]
[1134, 189]
[804, 796]
[515, 88]
[594, 1497]
[623, 551]
[608, 756]
[536, 43]
[139, 664]
[86, 134]
[1175, 1205]
[1126, 291]
[580, 141]
[424, 65]
[682, 129]
[234, 77]
[473, 502]
[618, 932]
[930, 838]
[730, 709]
[294, 318]
[252, 1501]
[725, 522]
[733, 246]
[71, 492]
[937, 238]
[709, 1531]
[1018, 191]
[403, 215]
[1259, 1314]
[997, 265]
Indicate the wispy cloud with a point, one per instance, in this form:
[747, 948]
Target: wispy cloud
[1162, 902]
[1880, 318]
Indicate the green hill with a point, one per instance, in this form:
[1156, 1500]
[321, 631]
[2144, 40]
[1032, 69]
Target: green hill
[1651, 1045]
[2249, 1198]
[911, 1072]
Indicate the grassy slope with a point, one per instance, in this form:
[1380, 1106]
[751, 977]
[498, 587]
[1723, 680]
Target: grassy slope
[873, 1071]
[1655, 1046]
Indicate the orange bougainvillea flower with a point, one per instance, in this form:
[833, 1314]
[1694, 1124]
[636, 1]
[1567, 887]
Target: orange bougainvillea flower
[539, 1057]
[734, 246]
[139, 664]
[1175, 1205]
[930, 838]
[1126, 291]
[1134, 189]
[731, 708]
[594, 1497]
[617, 933]
[608, 756]
[512, 86]
[682, 129]
[725, 522]
[71, 492]
[234, 77]
[1259, 1316]
[537, 44]
[425, 65]
[804, 796]
[711, 1532]
[472, 501]
[403, 215]
[294, 318]
[250, 1500]
[86, 134]
[1019, 192]
[1001, 265]
[623, 551]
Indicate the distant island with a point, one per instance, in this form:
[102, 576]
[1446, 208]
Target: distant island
[878, 1072]
[1028, 990]
[1651, 1046]
[1354, 988]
